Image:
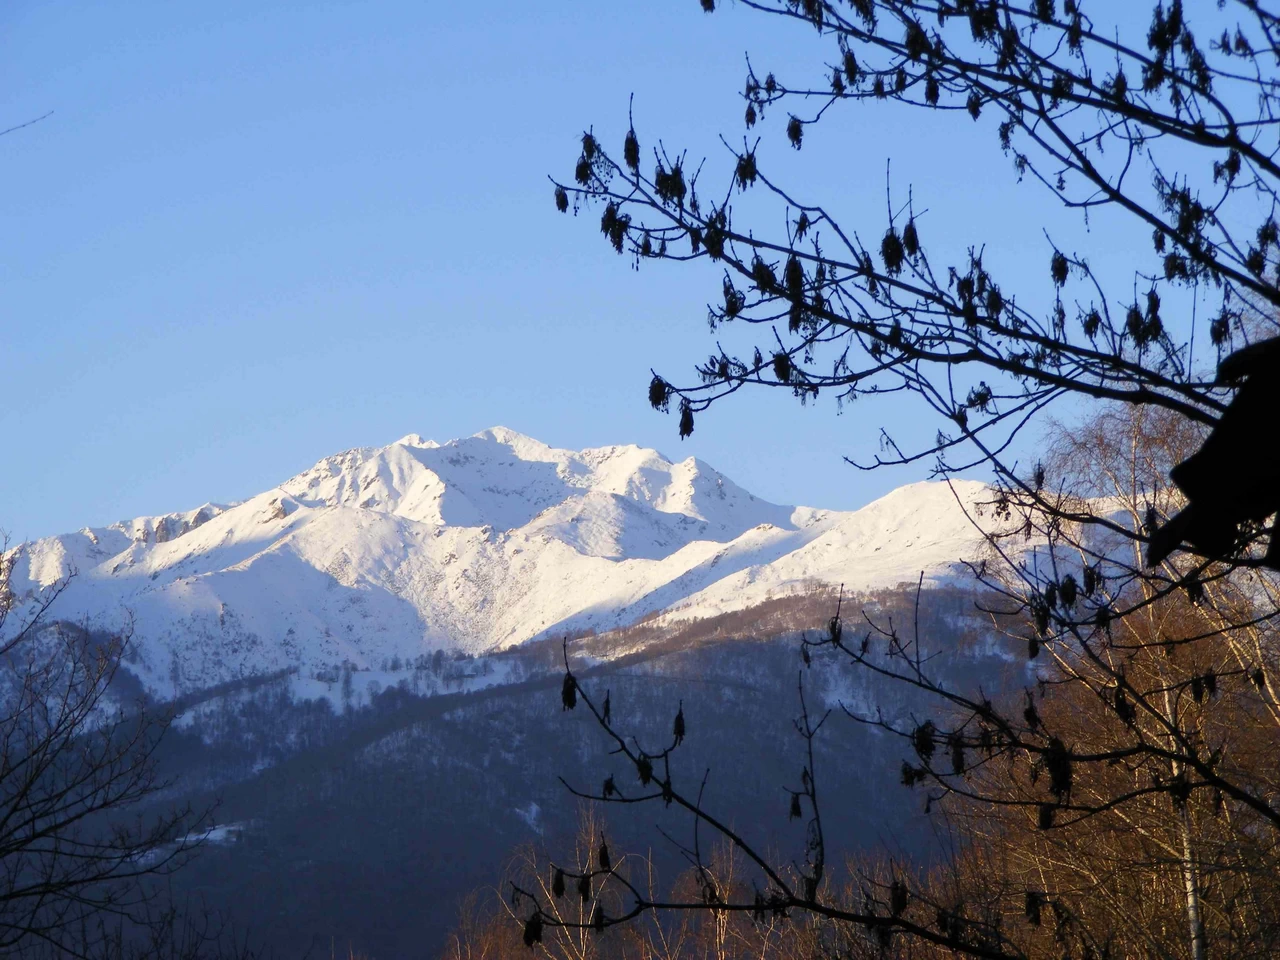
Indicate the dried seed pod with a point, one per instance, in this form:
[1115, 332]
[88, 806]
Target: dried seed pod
[1057, 760]
[763, 275]
[686, 419]
[1032, 907]
[924, 740]
[562, 199]
[1045, 816]
[995, 303]
[669, 184]
[910, 239]
[897, 898]
[1124, 709]
[1092, 322]
[1030, 714]
[1040, 615]
[793, 275]
[533, 930]
[795, 131]
[891, 251]
[851, 72]
[1058, 268]
[569, 692]
[1134, 324]
[782, 367]
[1090, 580]
[916, 42]
[631, 150]
[659, 392]
[734, 301]
[614, 225]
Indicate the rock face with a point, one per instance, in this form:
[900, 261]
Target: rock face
[473, 545]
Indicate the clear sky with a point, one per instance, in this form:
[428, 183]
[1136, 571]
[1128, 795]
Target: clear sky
[253, 234]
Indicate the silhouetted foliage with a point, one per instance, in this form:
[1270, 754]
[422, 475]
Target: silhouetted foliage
[1172, 127]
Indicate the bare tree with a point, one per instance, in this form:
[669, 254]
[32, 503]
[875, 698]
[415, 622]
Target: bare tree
[77, 764]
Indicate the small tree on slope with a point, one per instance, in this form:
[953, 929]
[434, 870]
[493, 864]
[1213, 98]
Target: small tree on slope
[77, 767]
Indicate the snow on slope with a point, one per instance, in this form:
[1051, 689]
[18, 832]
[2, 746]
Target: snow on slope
[473, 545]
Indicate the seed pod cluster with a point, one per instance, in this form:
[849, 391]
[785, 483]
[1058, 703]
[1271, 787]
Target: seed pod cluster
[568, 692]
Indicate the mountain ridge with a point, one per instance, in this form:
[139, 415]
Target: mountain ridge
[474, 545]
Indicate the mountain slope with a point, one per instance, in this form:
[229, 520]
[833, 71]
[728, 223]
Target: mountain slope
[473, 545]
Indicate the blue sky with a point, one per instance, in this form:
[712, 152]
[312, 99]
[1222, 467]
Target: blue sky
[255, 234]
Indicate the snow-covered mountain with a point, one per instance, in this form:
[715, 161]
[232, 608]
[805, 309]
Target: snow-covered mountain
[473, 545]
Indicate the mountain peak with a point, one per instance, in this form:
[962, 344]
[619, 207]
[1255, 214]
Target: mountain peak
[415, 440]
[505, 435]
[524, 447]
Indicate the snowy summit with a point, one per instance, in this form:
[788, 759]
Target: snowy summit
[473, 545]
